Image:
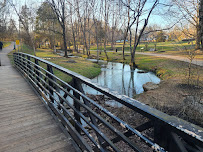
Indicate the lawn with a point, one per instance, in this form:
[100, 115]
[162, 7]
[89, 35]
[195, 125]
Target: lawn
[78, 65]
[164, 68]
[5, 44]
[160, 46]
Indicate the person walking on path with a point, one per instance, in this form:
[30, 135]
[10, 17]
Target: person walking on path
[14, 47]
[1, 45]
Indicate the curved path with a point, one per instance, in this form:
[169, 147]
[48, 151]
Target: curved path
[25, 123]
[180, 58]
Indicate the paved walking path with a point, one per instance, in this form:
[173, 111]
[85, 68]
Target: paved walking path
[25, 123]
[180, 58]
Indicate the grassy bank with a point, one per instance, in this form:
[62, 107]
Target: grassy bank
[164, 68]
[169, 97]
[173, 94]
[78, 65]
[146, 46]
[6, 44]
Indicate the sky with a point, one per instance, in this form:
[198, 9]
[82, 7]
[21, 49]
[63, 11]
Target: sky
[154, 19]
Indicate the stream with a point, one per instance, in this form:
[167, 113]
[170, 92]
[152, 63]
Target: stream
[121, 78]
[118, 77]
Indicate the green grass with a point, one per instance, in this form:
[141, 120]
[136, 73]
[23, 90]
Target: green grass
[82, 66]
[5, 44]
[160, 46]
[164, 68]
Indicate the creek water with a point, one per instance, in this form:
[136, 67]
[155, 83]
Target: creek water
[122, 78]
[118, 77]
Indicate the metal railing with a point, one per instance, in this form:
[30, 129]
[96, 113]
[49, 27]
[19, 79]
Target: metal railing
[96, 127]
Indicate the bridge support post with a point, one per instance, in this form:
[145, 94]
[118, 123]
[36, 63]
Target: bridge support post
[29, 67]
[36, 70]
[169, 140]
[90, 115]
[24, 62]
[50, 69]
[76, 105]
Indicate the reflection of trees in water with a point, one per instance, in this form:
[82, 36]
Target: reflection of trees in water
[105, 79]
[123, 82]
[123, 78]
[131, 82]
[112, 75]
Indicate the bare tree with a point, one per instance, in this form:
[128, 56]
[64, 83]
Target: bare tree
[106, 15]
[24, 17]
[3, 4]
[188, 12]
[201, 22]
[73, 29]
[59, 9]
[94, 12]
[115, 13]
[127, 29]
[139, 21]
[82, 20]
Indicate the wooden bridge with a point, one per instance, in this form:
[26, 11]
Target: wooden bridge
[25, 122]
[63, 118]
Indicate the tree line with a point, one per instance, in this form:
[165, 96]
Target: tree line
[78, 24]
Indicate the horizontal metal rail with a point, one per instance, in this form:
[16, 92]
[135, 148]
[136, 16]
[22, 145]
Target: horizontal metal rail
[94, 127]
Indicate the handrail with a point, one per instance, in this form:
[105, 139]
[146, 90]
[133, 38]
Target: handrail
[171, 133]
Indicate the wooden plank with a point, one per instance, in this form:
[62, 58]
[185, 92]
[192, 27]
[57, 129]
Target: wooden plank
[25, 123]
[11, 131]
[10, 128]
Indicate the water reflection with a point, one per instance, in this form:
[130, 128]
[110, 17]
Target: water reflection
[122, 78]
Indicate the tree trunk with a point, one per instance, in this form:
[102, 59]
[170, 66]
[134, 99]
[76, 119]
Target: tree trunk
[198, 37]
[84, 36]
[126, 33]
[89, 43]
[105, 37]
[97, 40]
[64, 42]
[201, 23]
[74, 41]
[73, 31]
[132, 62]
[113, 28]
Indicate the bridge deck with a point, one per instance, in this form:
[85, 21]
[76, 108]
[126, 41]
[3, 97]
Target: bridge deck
[25, 123]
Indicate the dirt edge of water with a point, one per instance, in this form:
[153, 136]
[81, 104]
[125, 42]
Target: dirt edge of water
[171, 97]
